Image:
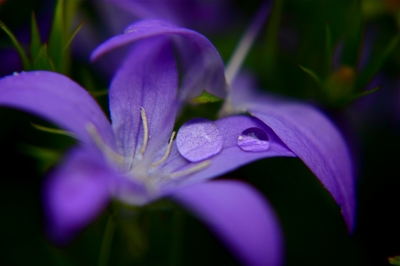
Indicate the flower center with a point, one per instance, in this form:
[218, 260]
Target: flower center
[145, 169]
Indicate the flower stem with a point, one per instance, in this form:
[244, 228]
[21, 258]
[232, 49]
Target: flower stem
[177, 238]
[107, 240]
[242, 49]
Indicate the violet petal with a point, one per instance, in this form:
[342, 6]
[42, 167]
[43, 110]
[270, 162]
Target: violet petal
[203, 67]
[312, 137]
[75, 194]
[58, 99]
[240, 217]
[148, 81]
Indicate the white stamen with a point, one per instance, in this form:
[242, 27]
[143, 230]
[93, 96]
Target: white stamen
[171, 140]
[245, 43]
[145, 130]
[102, 146]
[191, 170]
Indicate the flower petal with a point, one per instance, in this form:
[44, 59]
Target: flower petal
[232, 156]
[146, 82]
[57, 98]
[75, 194]
[203, 67]
[314, 139]
[239, 216]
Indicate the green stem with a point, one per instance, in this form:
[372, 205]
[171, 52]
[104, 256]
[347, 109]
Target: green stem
[18, 46]
[107, 240]
[176, 239]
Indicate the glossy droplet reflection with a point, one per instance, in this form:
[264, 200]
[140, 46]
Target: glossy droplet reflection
[253, 139]
[199, 139]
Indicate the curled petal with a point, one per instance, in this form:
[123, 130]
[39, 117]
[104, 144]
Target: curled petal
[239, 216]
[202, 66]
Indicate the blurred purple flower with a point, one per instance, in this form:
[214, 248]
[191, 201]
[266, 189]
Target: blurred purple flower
[135, 160]
[209, 15]
[212, 17]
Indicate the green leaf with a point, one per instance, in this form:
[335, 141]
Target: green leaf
[43, 61]
[354, 35]
[35, 37]
[394, 260]
[366, 93]
[205, 97]
[70, 11]
[96, 94]
[328, 49]
[376, 64]
[312, 74]
[71, 38]
[53, 130]
[57, 36]
[46, 157]
[272, 28]
[25, 61]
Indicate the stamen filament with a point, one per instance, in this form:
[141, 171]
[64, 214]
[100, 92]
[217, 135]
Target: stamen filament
[102, 146]
[242, 49]
[145, 130]
[171, 140]
[191, 170]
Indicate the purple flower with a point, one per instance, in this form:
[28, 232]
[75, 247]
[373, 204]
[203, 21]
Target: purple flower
[135, 159]
[308, 133]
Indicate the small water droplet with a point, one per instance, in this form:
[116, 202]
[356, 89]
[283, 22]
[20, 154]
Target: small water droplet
[129, 30]
[199, 139]
[253, 139]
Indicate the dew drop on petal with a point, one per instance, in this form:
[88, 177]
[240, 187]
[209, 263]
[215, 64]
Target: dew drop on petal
[199, 139]
[253, 139]
[129, 30]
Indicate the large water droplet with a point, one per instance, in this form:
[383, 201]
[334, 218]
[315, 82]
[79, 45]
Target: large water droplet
[199, 139]
[253, 139]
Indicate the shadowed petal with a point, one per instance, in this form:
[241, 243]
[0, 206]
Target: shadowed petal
[232, 156]
[203, 67]
[146, 82]
[58, 99]
[207, 15]
[76, 193]
[240, 217]
[313, 138]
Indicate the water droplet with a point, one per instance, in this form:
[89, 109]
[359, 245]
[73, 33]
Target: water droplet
[130, 30]
[199, 139]
[253, 139]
